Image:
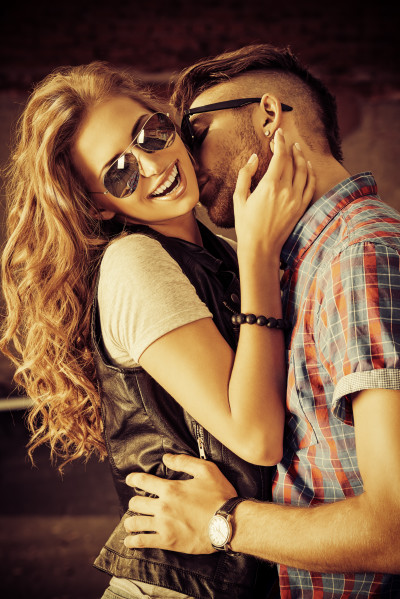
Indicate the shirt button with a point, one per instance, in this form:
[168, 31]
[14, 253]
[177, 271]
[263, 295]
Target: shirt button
[235, 298]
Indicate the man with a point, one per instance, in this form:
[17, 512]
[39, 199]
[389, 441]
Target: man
[334, 526]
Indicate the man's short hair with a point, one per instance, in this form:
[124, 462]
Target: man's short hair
[264, 58]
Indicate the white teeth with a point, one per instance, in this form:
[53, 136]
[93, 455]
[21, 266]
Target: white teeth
[161, 189]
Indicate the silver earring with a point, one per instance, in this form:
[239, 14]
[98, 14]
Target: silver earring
[267, 133]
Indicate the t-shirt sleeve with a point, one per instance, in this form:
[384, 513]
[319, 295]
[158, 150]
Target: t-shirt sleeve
[359, 322]
[143, 294]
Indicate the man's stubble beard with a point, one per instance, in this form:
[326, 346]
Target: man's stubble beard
[219, 201]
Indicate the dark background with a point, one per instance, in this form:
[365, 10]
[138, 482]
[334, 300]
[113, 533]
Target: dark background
[51, 527]
[347, 39]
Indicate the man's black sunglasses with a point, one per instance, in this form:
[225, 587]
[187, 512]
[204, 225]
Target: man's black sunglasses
[188, 134]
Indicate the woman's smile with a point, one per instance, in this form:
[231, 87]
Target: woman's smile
[165, 190]
[172, 185]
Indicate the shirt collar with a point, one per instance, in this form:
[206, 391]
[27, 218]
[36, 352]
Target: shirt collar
[322, 212]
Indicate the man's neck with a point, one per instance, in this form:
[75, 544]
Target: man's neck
[329, 172]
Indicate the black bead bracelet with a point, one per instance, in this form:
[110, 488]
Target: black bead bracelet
[261, 321]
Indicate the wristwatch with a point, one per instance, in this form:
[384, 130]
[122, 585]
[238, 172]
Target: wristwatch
[220, 528]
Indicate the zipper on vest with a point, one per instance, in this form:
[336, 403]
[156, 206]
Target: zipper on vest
[236, 327]
[200, 440]
[229, 307]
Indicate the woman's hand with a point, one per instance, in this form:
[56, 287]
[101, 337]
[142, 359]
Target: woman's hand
[265, 218]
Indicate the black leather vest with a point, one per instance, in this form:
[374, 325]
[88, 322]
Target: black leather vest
[142, 422]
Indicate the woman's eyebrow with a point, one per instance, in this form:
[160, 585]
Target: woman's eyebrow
[135, 130]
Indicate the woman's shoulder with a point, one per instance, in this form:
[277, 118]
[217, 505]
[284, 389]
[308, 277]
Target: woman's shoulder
[132, 243]
[137, 263]
[136, 251]
[138, 280]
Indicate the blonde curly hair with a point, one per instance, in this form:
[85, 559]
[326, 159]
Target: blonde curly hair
[54, 246]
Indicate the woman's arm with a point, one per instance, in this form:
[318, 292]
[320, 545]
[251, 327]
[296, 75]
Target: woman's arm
[240, 400]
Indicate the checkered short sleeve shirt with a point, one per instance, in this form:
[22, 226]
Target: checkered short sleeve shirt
[341, 292]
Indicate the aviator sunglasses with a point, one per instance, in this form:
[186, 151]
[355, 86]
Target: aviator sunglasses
[122, 176]
[188, 134]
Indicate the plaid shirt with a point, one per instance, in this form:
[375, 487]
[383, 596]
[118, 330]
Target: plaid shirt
[341, 292]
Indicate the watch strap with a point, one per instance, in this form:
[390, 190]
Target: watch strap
[226, 510]
[228, 507]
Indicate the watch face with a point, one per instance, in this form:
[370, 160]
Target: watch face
[219, 531]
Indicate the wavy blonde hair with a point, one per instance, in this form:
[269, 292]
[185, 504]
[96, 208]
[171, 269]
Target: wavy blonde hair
[50, 260]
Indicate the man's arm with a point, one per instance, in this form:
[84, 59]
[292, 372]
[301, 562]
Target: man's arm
[357, 534]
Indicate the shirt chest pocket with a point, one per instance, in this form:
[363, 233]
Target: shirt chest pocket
[302, 400]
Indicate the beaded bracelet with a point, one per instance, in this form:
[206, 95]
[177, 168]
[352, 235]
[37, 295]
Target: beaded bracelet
[261, 321]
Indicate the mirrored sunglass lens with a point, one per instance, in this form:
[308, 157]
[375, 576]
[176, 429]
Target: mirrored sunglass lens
[122, 177]
[157, 134]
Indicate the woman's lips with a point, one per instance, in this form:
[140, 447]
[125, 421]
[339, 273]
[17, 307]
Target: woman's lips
[168, 184]
[174, 184]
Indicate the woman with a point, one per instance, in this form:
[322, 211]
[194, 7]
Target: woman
[120, 304]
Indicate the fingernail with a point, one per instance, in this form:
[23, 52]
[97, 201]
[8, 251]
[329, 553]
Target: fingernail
[252, 158]
[297, 146]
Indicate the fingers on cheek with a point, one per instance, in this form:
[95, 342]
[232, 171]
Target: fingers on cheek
[280, 146]
[298, 157]
[301, 169]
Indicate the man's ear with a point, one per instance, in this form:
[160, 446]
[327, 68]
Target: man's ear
[271, 113]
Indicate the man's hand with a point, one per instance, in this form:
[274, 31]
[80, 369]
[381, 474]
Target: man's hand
[178, 517]
[265, 217]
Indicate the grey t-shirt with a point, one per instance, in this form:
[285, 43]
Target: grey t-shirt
[143, 294]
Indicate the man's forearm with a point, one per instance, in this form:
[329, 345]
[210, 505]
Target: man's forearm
[350, 535]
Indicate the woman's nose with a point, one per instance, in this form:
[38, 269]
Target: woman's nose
[149, 163]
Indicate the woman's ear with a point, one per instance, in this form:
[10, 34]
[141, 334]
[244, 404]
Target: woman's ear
[106, 214]
[101, 213]
[272, 114]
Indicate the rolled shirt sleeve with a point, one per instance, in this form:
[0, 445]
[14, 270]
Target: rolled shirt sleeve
[359, 322]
